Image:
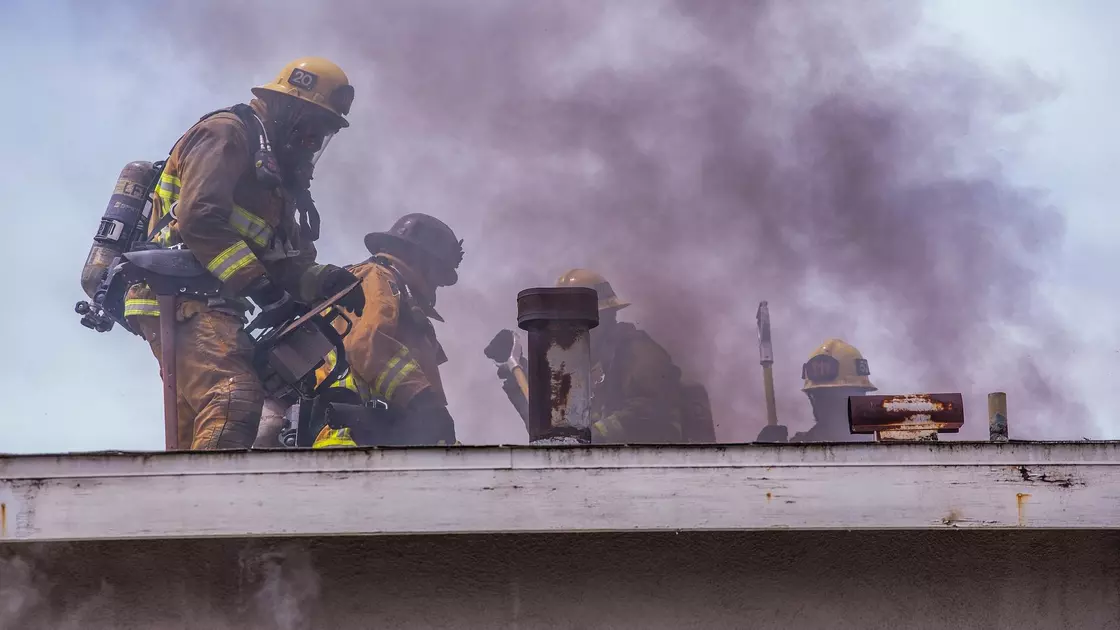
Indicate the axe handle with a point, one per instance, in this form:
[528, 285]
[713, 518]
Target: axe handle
[522, 381]
[768, 387]
[168, 358]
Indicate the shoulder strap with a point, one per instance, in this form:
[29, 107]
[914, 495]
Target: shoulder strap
[398, 281]
[408, 303]
[247, 117]
[163, 222]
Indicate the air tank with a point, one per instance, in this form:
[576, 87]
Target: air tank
[125, 218]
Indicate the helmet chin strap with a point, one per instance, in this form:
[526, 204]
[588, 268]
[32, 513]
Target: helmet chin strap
[309, 219]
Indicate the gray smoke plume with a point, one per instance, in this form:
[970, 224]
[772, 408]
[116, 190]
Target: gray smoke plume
[278, 589]
[21, 590]
[288, 586]
[836, 159]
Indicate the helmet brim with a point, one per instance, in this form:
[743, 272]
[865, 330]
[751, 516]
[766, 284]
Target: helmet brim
[612, 304]
[386, 243]
[261, 90]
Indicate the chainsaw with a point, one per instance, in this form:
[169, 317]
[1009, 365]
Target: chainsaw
[287, 358]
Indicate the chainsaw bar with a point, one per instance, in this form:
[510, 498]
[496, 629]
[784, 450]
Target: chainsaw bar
[316, 310]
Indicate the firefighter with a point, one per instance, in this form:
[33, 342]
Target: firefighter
[392, 350]
[637, 394]
[834, 371]
[230, 192]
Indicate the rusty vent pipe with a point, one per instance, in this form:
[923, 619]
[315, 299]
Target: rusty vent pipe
[930, 413]
[558, 321]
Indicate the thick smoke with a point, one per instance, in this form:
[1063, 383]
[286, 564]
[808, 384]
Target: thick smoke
[832, 158]
[278, 588]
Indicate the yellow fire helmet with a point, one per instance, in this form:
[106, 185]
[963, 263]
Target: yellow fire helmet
[836, 363]
[593, 280]
[314, 80]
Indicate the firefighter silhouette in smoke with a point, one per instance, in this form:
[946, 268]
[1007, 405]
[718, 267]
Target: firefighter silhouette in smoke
[637, 394]
[834, 371]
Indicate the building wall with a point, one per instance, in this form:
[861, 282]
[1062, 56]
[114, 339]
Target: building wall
[901, 579]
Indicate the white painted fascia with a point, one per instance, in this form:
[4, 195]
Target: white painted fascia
[525, 489]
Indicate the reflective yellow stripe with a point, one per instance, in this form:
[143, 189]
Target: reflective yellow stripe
[409, 367]
[390, 368]
[349, 380]
[329, 363]
[329, 438]
[247, 224]
[137, 306]
[234, 257]
[168, 192]
[324, 370]
[250, 226]
[396, 369]
[169, 185]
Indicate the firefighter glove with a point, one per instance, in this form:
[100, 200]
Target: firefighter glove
[773, 433]
[337, 279]
[277, 305]
[505, 349]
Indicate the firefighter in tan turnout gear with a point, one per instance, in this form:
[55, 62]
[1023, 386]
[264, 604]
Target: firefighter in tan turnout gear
[637, 395]
[393, 352]
[230, 192]
[834, 371]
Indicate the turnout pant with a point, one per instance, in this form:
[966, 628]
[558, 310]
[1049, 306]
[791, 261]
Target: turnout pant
[220, 396]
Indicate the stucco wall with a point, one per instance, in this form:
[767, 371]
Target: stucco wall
[917, 579]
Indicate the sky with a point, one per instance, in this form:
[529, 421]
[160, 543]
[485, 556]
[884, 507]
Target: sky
[97, 87]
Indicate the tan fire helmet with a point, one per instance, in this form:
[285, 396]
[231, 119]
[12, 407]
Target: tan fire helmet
[317, 81]
[836, 363]
[608, 300]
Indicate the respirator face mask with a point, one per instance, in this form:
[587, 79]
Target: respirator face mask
[309, 139]
[322, 147]
[306, 144]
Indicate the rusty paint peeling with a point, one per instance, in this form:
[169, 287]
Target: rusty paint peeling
[906, 412]
[909, 435]
[1061, 482]
[561, 386]
[912, 403]
[768, 497]
[3, 520]
[1020, 504]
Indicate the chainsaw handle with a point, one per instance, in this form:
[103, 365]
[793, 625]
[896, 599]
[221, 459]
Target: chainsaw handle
[341, 365]
[335, 313]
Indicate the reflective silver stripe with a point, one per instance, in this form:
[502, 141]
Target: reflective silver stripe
[170, 185]
[136, 306]
[395, 370]
[250, 226]
[408, 367]
[228, 262]
[349, 380]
